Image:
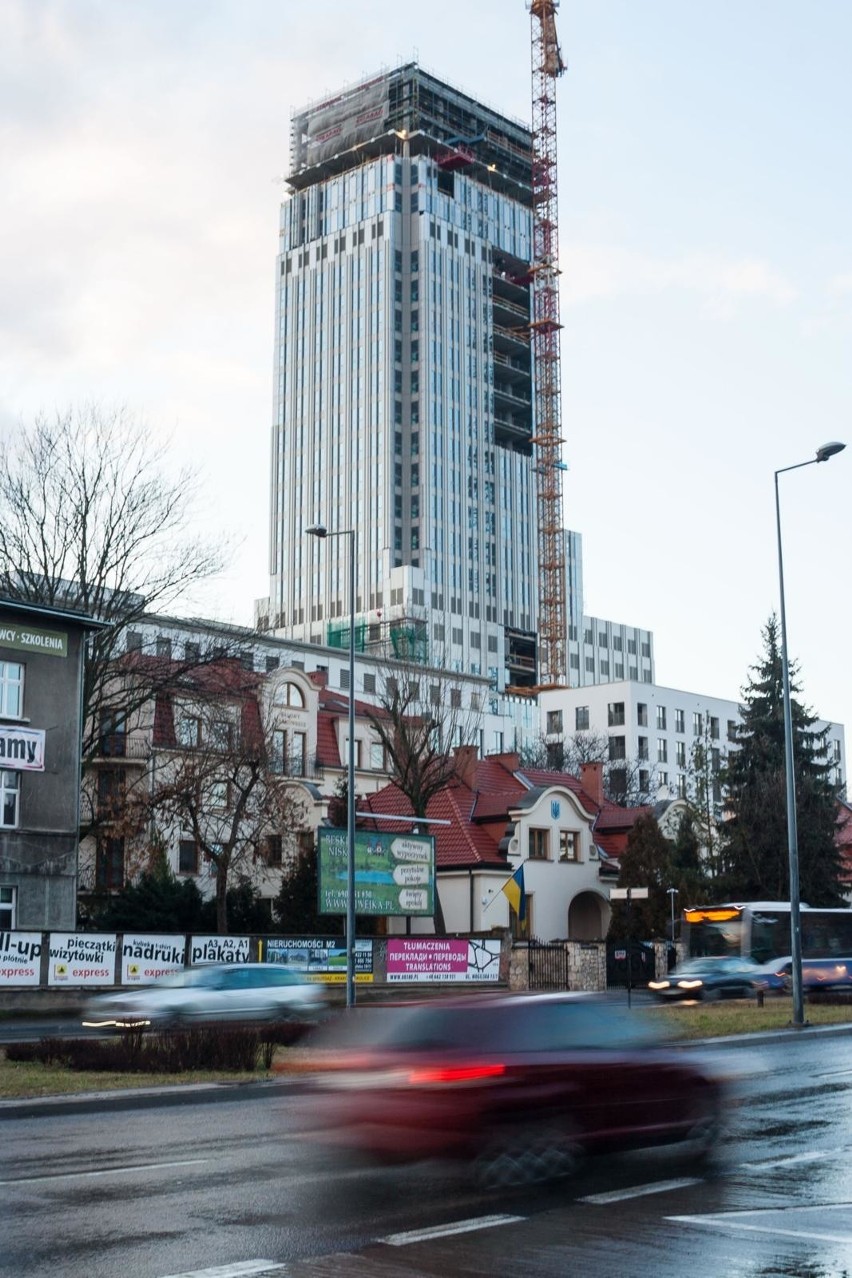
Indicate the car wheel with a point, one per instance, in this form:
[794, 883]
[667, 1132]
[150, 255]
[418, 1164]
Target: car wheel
[522, 1154]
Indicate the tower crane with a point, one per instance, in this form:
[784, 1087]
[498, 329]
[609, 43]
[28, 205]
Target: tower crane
[547, 66]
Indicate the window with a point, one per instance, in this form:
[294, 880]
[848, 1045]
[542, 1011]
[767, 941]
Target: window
[11, 689]
[455, 698]
[10, 798]
[644, 781]
[661, 718]
[642, 714]
[697, 724]
[289, 695]
[299, 754]
[680, 754]
[272, 663]
[188, 731]
[618, 783]
[220, 734]
[617, 748]
[554, 721]
[109, 864]
[113, 734]
[615, 714]
[377, 756]
[643, 747]
[663, 779]
[435, 694]
[588, 636]
[272, 849]
[191, 651]
[714, 728]
[164, 648]
[681, 786]
[679, 721]
[187, 856]
[732, 730]
[662, 750]
[569, 845]
[581, 719]
[646, 649]
[7, 908]
[217, 796]
[539, 845]
[357, 751]
[590, 665]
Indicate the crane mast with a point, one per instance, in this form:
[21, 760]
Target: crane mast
[547, 66]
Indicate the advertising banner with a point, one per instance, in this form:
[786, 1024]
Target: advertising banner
[433, 958]
[81, 958]
[22, 749]
[145, 958]
[20, 958]
[394, 873]
[320, 958]
[219, 949]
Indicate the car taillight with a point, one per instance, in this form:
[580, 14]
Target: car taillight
[434, 1075]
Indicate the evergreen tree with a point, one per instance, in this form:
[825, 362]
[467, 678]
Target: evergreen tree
[647, 862]
[156, 902]
[295, 906]
[687, 870]
[754, 851]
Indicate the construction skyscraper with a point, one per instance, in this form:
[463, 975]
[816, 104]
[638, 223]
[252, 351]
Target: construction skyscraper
[404, 386]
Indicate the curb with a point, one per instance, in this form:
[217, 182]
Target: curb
[140, 1098]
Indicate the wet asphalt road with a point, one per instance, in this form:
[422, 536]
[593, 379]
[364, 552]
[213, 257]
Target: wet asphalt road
[154, 1191]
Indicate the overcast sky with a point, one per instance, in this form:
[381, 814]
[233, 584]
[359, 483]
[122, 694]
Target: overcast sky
[706, 239]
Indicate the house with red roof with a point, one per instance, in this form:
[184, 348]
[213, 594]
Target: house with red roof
[495, 816]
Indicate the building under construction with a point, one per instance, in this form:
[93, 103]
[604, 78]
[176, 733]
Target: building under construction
[404, 393]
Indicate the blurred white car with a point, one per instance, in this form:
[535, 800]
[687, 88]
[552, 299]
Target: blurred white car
[217, 992]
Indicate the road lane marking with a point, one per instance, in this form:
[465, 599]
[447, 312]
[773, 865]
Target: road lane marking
[105, 1171]
[791, 1158]
[638, 1191]
[446, 1231]
[725, 1222]
[241, 1269]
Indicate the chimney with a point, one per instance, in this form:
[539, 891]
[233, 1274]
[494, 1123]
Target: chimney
[591, 779]
[466, 758]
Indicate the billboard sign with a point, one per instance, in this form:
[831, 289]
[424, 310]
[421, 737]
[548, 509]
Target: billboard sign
[320, 958]
[219, 949]
[394, 873]
[81, 958]
[145, 958]
[20, 958]
[433, 958]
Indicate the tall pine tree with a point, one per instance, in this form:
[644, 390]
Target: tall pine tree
[754, 857]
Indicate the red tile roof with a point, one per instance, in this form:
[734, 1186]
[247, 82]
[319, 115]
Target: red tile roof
[491, 790]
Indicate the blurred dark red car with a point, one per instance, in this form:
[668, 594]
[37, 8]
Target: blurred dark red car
[522, 1085]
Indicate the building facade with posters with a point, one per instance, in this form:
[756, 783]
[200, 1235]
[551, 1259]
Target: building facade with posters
[41, 674]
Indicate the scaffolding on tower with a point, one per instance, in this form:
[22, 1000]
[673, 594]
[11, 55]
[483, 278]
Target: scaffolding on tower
[547, 66]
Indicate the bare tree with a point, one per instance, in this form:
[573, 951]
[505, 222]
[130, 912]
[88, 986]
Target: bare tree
[221, 784]
[627, 780]
[419, 719]
[91, 523]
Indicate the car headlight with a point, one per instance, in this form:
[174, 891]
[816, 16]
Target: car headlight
[658, 985]
[689, 985]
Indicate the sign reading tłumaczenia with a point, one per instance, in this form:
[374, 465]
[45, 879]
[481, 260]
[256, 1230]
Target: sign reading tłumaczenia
[394, 873]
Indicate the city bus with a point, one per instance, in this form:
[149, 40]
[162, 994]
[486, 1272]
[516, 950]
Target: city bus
[760, 931]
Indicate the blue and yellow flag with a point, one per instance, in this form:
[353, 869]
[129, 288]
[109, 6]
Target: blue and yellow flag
[513, 890]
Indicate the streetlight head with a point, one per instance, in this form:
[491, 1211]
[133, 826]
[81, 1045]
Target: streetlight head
[320, 530]
[829, 450]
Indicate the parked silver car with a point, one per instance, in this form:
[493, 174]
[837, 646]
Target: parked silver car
[216, 992]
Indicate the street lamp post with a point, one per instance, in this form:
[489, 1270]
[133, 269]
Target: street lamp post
[672, 893]
[822, 454]
[320, 531]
